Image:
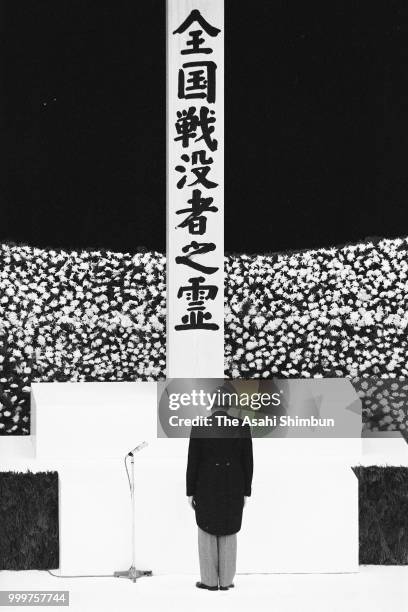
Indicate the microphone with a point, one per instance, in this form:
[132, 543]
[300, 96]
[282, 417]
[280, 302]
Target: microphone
[132, 573]
[137, 449]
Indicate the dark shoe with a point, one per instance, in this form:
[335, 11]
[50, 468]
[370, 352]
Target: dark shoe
[201, 585]
[231, 586]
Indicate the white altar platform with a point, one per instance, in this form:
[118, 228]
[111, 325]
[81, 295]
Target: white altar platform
[302, 516]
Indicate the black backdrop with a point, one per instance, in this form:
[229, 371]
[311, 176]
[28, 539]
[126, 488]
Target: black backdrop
[316, 123]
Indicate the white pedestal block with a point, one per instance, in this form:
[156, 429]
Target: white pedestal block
[16, 448]
[384, 448]
[90, 420]
[300, 518]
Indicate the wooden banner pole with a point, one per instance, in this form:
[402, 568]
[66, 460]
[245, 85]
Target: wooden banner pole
[195, 189]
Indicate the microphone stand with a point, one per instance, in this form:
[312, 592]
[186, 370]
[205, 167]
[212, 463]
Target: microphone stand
[132, 573]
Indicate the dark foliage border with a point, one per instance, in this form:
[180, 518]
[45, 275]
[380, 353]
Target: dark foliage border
[383, 515]
[29, 537]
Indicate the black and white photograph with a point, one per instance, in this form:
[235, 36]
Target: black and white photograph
[204, 305]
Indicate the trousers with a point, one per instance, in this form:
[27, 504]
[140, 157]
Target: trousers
[218, 557]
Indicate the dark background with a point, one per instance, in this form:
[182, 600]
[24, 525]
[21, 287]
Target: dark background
[316, 123]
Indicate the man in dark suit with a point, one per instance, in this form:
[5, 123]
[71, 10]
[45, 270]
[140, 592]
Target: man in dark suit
[219, 478]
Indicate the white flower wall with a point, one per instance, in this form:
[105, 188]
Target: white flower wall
[76, 316]
[324, 313]
[100, 316]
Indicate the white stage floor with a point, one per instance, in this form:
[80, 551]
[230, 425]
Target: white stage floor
[374, 589]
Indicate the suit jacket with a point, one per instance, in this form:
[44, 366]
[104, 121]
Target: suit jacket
[219, 474]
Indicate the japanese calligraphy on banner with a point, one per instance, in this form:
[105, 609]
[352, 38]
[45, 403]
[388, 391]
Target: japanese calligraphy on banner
[195, 188]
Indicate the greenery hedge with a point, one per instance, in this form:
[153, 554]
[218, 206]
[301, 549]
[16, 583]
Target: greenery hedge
[383, 515]
[29, 521]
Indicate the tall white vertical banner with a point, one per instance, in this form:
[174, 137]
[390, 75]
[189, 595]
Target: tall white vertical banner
[195, 188]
